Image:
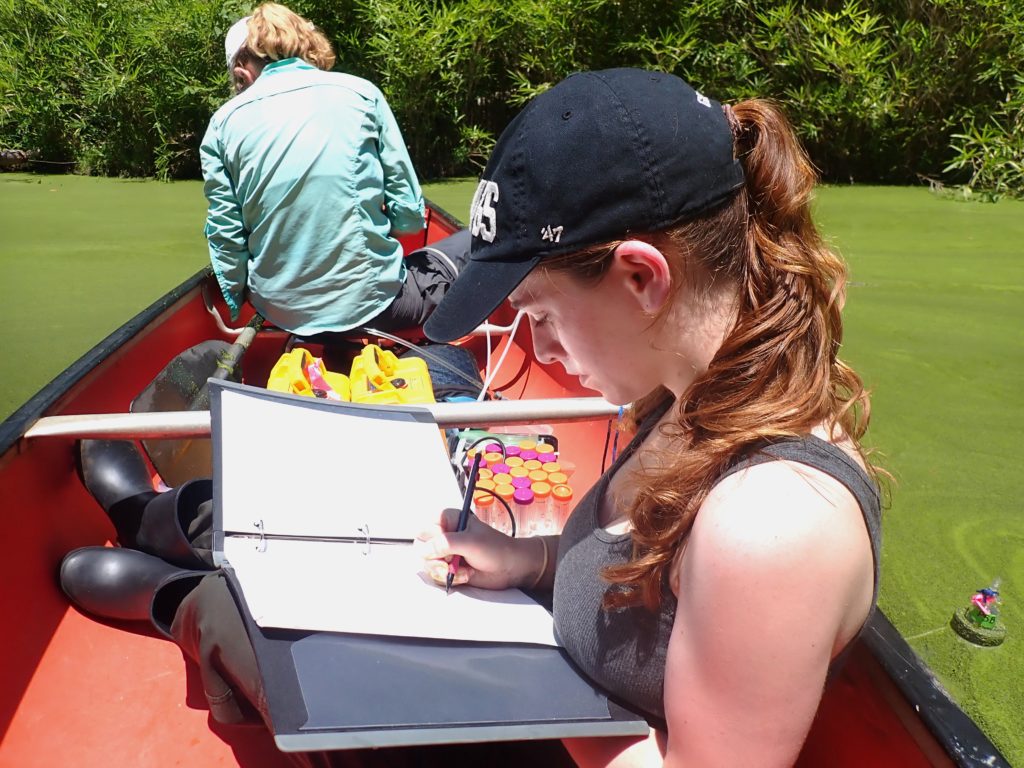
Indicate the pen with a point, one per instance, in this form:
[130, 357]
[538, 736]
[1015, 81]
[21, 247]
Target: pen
[453, 564]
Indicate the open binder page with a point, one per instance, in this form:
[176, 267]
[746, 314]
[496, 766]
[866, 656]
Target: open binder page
[289, 465]
[377, 589]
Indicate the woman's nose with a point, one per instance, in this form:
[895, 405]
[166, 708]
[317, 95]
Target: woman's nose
[544, 350]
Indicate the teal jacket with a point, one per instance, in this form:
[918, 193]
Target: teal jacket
[307, 177]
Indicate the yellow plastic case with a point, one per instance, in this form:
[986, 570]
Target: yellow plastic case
[380, 377]
[291, 373]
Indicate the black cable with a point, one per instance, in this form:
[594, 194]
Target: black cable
[477, 487]
[511, 517]
[484, 439]
[421, 350]
[607, 439]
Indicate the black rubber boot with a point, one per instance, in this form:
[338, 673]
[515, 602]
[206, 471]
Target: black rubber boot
[163, 530]
[123, 584]
[116, 475]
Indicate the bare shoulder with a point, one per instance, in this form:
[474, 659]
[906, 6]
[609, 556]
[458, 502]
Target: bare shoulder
[783, 531]
[774, 580]
[779, 504]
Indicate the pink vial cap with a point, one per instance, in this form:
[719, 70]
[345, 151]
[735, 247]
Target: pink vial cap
[523, 496]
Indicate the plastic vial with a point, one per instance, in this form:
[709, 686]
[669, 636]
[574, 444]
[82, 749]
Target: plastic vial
[483, 506]
[544, 448]
[558, 478]
[561, 505]
[523, 508]
[538, 476]
[502, 478]
[545, 521]
[500, 520]
[532, 464]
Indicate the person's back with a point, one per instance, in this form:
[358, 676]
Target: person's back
[307, 178]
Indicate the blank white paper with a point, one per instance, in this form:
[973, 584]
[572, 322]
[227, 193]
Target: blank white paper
[288, 468]
[337, 587]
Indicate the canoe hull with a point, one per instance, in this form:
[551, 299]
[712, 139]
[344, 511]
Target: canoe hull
[79, 691]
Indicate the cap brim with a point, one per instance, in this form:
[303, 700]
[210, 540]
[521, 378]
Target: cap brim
[476, 293]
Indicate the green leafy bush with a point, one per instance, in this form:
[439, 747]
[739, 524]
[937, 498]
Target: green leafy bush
[880, 90]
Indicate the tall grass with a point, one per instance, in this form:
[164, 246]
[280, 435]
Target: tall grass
[880, 90]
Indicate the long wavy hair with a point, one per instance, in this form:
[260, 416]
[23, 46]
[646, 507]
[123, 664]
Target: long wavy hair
[276, 33]
[777, 372]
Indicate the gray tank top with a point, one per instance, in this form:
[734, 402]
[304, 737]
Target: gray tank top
[623, 651]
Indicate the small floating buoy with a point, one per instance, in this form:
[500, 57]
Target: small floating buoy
[979, 622]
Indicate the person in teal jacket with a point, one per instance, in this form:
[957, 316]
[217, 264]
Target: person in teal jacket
[309, 181]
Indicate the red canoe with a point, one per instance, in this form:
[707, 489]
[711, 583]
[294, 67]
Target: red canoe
[82, 692]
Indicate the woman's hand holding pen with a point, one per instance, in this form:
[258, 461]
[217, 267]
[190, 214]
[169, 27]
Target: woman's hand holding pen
[490, 559]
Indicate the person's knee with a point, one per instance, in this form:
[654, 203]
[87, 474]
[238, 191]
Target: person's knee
[209, 628]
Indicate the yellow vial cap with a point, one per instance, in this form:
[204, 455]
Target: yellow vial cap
[562, 492]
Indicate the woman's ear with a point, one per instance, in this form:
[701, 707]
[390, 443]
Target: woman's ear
[244, 74]
[646, 273]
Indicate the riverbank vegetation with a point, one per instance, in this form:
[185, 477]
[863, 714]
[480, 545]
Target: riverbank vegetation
[882, 91]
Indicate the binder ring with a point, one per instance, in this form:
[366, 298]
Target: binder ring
[261, 544]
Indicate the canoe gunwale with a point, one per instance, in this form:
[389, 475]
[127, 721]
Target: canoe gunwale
[964, 742]
[14, 426]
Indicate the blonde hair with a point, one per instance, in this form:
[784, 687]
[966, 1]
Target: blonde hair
[276, 33]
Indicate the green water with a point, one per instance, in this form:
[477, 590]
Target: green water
[935, 323]
[934, 319]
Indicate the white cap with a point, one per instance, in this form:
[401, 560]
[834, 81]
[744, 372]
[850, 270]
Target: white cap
[235, 39]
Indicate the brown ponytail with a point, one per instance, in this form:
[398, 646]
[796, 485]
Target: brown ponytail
[777, 372]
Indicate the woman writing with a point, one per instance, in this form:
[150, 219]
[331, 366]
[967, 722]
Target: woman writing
[662, 247]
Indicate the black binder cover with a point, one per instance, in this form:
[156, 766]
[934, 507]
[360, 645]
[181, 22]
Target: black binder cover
[330, 690]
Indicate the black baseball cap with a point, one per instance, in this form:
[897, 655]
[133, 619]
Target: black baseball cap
[599, 155]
